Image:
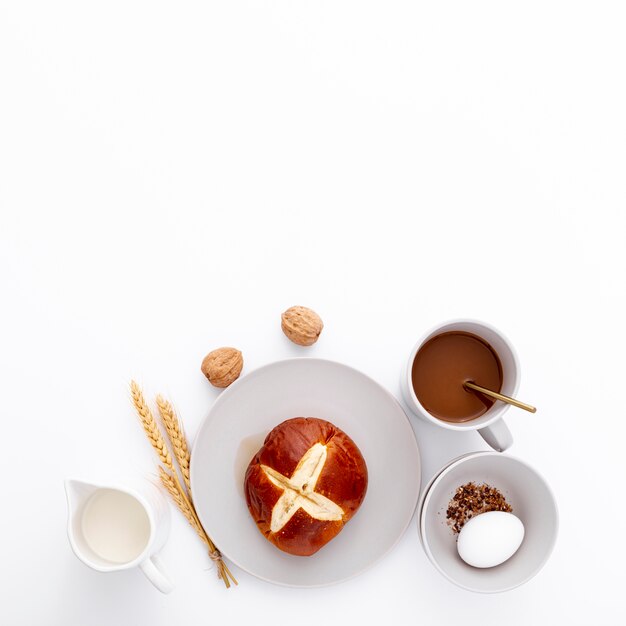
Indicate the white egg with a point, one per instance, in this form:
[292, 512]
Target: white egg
[490, 539]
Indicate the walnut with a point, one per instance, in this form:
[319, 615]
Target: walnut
[222, 366]
[303, 326]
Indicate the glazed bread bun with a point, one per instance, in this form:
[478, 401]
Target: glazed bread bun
[304, 484]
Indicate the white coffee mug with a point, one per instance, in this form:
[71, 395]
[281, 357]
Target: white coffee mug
[117, 527]
[490, 425]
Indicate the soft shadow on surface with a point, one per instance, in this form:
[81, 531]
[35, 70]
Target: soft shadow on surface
[125, 597]
[438, 446]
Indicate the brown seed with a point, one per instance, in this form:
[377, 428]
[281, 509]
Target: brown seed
[301, 325]
[222, 366]
[471, 500]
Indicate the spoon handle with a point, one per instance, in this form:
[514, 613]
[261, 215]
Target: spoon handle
[499, 396]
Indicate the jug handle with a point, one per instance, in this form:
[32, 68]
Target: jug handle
[155, 572]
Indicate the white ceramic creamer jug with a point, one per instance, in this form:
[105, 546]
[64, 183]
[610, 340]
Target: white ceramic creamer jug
[114, 527]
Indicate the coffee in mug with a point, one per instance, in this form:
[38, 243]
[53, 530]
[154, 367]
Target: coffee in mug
[441, 367]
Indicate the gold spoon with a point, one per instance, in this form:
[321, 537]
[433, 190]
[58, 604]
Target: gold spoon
[499, 396]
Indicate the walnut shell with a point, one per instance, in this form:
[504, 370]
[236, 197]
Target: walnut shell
[303, 326]
[222, 366]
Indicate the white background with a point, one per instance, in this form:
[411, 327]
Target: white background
[173, 175]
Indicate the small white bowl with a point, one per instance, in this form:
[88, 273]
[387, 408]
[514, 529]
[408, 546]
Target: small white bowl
[532, 501]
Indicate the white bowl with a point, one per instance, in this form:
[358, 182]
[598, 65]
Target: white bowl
[532, 501]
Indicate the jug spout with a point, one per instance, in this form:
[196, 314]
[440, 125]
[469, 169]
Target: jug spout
[77, 493]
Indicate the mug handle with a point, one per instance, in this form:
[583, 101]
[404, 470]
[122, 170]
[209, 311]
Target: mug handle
[497, 435]
[154, 570]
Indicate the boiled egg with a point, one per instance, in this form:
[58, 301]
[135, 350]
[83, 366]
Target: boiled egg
[490, 539]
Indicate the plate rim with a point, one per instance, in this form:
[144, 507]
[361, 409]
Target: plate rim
[425, 492]
[233, 387]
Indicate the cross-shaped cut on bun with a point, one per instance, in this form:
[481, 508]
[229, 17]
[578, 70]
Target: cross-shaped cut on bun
[304, 484]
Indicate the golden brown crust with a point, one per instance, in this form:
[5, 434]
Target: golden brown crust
[343, 480]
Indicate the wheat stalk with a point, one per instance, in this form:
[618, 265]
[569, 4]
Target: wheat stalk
[175, 489]
[150, 426]
[176, 435]
[169, 479]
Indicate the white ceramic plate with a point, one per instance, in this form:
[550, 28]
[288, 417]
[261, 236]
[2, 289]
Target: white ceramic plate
[234, 430]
